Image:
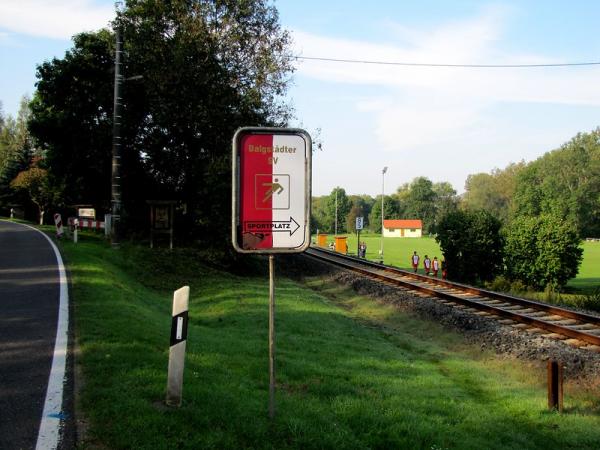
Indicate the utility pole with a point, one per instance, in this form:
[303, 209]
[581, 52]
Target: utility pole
[116, 145]
[336, 209]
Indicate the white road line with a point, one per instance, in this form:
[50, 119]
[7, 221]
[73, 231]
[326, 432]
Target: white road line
[52, 416]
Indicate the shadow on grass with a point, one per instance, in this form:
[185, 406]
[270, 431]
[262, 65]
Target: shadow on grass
[343, 382]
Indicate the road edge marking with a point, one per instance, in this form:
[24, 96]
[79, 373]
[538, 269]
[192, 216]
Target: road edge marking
[52, 415]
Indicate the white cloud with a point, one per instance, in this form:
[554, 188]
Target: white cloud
[57, 19]
[472, 41]
[419, 108]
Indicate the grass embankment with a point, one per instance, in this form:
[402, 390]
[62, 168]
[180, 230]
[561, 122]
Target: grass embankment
[351, 373]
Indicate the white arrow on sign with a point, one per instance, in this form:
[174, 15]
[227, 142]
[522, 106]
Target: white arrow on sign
[258, 226]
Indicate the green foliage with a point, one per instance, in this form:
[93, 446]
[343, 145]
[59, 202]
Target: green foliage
[336, 201]
[503, 284]
[391, 211]
[34, 181]
[542, 251]
[207, 68]
[361, 207]
[16, 150]
[425, 200]
[493, 192]
[71, 119]
[419, 203]
[564, 183]
[472, 245]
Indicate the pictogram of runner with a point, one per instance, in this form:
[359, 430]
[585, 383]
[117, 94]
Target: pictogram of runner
[275, 188]
[272, 191]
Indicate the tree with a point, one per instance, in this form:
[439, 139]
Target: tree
[542, 251]
[16, 150]
[446, 201]
[208, 67]
[337, 197]
[493, 192]
[361, 207]
[390, 205]
[34, 181]
[71, 119]
[420, 202]
[472, 245]
[564, 183]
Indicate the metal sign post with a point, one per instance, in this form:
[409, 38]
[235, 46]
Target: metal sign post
[271, 204]
[359, 226]
[271, 337]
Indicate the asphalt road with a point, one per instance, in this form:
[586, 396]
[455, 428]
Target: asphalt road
[29, 301]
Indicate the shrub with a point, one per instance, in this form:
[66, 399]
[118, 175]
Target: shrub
[542, 252]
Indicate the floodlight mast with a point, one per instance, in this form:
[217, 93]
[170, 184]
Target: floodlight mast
[382, 197]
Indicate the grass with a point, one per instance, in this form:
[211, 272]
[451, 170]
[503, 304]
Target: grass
[588, 277]
[352, 373]
[397, 252]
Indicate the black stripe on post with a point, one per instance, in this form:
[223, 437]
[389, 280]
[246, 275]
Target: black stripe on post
[179, 326]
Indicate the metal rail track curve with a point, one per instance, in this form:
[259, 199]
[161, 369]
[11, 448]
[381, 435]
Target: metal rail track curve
[571, 324]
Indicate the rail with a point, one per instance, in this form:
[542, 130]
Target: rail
[572, 324]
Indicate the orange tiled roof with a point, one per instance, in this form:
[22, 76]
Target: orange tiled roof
[403, 223]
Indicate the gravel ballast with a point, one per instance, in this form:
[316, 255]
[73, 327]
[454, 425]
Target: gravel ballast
[489, 333]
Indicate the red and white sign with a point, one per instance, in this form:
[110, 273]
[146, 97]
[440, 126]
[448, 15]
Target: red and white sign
[59, 225]
[271, 190]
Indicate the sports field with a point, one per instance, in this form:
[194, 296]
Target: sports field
[397, 252]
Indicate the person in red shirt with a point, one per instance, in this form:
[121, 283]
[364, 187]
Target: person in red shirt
[427, 265]
[435, 265]
[415, 261]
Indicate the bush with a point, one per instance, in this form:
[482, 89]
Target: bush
[472, 245]
[542, 252]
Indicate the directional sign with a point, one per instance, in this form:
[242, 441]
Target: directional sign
[359, 223]
[271, 190]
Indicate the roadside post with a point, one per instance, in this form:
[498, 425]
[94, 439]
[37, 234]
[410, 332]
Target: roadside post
[59, 225]
[271, 189]
[75, 227]
[359, 226]
[555, 385]
[179, 326]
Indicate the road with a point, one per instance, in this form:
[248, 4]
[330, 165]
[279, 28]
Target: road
[29, 310]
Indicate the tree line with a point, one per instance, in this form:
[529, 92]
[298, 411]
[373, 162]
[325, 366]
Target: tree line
[523, 222]
[197, 70]
[194, 72]
[419, 199]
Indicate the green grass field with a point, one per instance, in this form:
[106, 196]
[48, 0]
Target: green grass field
[589, 272]
[397, 252]
[352, 373]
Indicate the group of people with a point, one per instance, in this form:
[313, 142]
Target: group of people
[432, 267]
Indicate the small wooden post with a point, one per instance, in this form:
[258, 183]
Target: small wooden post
[555, 386]
[179, 325]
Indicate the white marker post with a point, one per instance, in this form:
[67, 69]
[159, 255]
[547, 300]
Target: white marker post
[179, 326]
[59, 225]
[75, 228]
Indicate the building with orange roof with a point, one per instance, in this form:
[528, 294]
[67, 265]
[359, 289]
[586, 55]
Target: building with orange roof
[402, 228]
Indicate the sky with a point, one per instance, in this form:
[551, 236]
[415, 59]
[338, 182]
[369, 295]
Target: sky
[443, 123]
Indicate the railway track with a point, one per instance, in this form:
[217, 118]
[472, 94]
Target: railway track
[578, 329]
